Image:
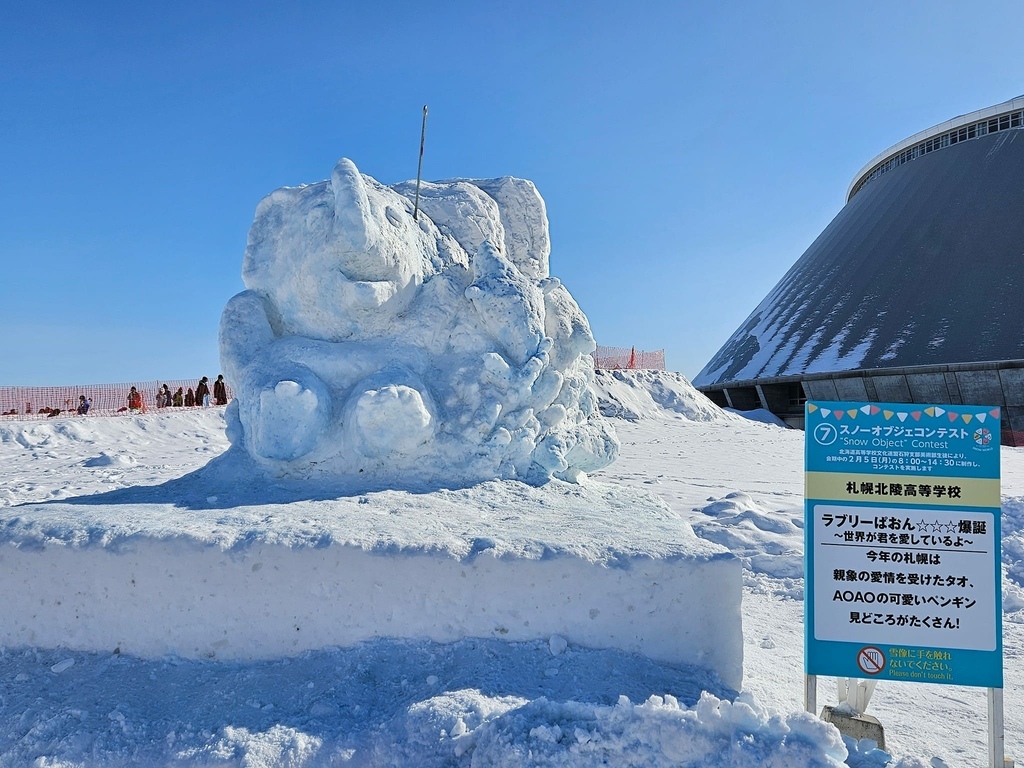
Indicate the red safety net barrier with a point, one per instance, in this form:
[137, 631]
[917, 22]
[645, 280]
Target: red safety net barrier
[621, 358]
[107, 399]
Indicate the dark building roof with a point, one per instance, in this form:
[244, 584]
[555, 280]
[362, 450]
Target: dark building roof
[923, 266]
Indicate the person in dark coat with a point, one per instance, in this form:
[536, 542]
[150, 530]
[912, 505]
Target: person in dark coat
[220, 391]
[203, 392]
[190, 398]
[178, 399]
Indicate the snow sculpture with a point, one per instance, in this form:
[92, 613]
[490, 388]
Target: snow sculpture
[389, 350]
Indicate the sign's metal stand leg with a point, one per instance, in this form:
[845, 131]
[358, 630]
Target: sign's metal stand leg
[996, 737]
[811, 694]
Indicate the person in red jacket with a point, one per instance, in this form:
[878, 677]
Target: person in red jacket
[134, 400]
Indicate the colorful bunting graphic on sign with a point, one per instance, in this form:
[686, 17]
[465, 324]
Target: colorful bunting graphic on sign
[869, 409]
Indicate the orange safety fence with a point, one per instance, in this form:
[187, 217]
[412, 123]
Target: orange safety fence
[112, 399]
[106, 399]
[621, 358]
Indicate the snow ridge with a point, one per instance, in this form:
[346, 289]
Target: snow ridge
[638, 394]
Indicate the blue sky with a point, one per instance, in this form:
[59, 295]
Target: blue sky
[688, 153]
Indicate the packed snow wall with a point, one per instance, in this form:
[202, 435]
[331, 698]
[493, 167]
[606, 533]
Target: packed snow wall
[379, 347]
[209, 575]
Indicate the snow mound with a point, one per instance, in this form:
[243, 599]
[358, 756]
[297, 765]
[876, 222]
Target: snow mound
[379, 348]
[154, 429]
[635, 395]
[388, 703]
[768, 543]
[110, 460]
[1012, 534]
[512, 733]
[49, 434]
[85, 455]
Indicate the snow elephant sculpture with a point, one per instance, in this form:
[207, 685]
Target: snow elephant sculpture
[385, 348]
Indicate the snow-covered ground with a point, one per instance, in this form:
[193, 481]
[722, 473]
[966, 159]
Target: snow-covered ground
[483, 701]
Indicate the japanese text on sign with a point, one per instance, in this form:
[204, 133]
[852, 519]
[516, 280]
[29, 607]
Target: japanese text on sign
[944, 575]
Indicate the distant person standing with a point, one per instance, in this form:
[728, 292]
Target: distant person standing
[84, 405]
[190, 398]
[134, 400]
[178, 399]
[220, 391]
[203, 392]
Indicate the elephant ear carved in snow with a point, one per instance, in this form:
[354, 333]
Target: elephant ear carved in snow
[385, 350]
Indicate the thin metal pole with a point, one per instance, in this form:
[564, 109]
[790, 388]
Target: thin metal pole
[811, 694]
[996, 737]
[419, 168]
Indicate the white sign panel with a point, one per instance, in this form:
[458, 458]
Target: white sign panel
[898, 576]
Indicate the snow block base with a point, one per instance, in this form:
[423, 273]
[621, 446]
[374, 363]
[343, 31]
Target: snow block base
[598, 565]
[856, 726]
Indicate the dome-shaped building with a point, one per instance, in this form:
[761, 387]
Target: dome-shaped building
[913, 293]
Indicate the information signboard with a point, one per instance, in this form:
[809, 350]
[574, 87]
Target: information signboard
[902, 543]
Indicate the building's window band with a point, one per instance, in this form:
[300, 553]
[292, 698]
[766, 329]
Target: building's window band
[972, 131]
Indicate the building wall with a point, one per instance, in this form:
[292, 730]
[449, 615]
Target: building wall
[924, 266]
[997, 384]
[912, 294]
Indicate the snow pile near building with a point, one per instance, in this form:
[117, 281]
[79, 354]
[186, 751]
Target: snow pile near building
[761, 415]
[638, 394]
[388, 350]
[763, 526]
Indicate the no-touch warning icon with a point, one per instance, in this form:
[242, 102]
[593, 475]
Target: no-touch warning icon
[871, 660]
